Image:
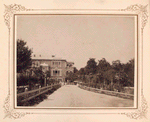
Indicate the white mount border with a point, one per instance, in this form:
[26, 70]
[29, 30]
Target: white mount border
[12, 9]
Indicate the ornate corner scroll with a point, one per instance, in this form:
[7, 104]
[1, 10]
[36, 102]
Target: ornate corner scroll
[13, 8]
[141, 112]
[8, 13]
[10, 113]
[141, 10]
[10, 10]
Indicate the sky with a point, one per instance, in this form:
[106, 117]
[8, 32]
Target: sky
[77, 38]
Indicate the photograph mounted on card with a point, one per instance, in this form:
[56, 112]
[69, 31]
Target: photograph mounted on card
[75, 61]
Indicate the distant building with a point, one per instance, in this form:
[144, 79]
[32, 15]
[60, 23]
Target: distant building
[58, 67]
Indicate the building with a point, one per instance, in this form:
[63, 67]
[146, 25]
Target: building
[58, 67]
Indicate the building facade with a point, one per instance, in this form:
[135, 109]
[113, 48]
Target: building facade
[57, 67]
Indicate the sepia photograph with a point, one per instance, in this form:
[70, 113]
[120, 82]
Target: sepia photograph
[72, 61]
[75, 61]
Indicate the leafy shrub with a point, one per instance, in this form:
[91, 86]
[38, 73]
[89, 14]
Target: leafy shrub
[33, 101]
[22, 80]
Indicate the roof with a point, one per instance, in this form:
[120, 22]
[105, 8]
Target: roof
[48, 58]
[44, 64]
[70, 62]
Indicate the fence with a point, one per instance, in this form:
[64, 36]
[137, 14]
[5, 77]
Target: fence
[28, 95]
[21, 89]
[112, 93]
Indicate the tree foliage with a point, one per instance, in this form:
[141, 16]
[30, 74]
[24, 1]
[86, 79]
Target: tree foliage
[117, 65]
[81, 71]
[71, 76]
[103, 65]
[75, 70]
[23, 56]
[91, 66]
[129, 70]
[110, 76]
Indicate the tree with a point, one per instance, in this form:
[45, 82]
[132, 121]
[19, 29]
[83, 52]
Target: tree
[117, 65]
[129, 70]
[91, 66]
[23, 56]
[38, 76]
[103, 65]
[109, 78]
[81, 71]
[122, 78]
[75, 70]
[110, 74]
[37, 72]
[71, 76]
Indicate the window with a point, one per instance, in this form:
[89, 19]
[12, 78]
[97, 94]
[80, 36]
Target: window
[56, 73]
[56, 64]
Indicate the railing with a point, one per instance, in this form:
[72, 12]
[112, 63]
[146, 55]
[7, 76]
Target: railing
[112, 93]
[21, 89]
[28, 95]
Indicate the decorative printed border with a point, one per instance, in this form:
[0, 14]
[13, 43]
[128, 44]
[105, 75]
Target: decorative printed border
[141, 112]
[10, 113]
[13, 8]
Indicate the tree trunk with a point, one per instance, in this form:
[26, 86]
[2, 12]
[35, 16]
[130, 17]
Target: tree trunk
[111, 84]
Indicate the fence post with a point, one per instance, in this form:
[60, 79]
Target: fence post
[26, 89]
[39, 89]
[47, 86]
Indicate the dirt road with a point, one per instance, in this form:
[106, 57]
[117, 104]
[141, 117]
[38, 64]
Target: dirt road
[73, 96]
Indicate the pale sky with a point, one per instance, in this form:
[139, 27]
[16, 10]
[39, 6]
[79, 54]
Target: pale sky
[79, 37]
